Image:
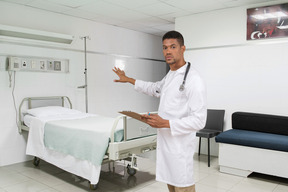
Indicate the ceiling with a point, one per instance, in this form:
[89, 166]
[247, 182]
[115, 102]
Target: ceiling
[149, 16]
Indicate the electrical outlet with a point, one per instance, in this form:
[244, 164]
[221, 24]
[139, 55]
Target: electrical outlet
[57, 65]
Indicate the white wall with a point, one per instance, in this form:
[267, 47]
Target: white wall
[105, 97]
[240, 75]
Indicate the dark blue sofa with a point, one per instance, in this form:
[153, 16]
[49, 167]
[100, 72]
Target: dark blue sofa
[252, 131]
[257, 130]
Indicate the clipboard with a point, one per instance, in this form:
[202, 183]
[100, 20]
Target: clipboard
[133, 115]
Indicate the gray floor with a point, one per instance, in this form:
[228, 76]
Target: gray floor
[24, 177]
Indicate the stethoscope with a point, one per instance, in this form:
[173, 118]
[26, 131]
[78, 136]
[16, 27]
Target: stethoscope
[182, 86]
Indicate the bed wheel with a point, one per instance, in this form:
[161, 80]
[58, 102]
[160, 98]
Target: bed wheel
[93, 186]
[131, 171]
[36, 161]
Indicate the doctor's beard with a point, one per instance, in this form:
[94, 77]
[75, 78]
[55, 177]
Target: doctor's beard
[171, 62]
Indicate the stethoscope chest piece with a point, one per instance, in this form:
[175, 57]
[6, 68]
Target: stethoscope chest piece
[182, 87]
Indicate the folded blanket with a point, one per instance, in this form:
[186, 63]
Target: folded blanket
[86, 138]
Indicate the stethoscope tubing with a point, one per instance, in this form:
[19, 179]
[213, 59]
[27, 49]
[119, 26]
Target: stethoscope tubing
[182, 86]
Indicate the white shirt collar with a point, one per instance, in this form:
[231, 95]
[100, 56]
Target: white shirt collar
[182, 69]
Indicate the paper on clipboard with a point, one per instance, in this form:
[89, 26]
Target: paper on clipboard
[133, 115]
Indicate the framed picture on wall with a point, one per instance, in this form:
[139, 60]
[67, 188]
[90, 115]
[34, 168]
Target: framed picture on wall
[267, 22]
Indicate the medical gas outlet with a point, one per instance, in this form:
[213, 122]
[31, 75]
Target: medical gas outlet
[38, 64]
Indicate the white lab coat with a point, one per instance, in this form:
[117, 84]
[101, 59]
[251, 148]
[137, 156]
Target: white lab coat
[186, 112]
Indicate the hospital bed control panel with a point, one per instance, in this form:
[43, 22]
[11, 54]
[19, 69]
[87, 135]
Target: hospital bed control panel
[38, 64]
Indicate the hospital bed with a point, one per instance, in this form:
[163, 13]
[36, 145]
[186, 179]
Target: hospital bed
[49, 118]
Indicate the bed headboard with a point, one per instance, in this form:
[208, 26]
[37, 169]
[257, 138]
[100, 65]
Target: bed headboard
[33, 102]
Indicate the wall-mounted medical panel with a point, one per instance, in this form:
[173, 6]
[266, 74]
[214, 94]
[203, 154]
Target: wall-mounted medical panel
[38, 64]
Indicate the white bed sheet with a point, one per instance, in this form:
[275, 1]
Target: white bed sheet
[28, 119]
[36, 147]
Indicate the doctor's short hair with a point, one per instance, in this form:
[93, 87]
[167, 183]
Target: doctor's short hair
[174, 35]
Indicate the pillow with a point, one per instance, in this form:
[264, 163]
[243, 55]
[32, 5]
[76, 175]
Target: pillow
[51, 111]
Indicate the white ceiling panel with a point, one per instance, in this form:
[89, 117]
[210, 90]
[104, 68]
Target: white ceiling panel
[148, 16]
[129, 16]
[158, 9]
[231, 3]
[103, 8]
[80, 14]
[132, 4]
[172, 16]
[71, 3]
[195, 5]
[107, 20]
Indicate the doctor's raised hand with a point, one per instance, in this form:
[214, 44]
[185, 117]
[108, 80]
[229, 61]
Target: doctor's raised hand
[122, 76]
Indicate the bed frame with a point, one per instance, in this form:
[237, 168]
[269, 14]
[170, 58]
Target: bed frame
[124, 150]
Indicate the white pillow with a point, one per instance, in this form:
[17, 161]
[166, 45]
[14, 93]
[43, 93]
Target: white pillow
[51, 111]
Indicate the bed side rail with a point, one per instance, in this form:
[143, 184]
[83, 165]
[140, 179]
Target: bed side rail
[127, 123]
[115, 125]
[132, 146]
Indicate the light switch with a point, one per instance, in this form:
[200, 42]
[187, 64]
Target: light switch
[42, 65]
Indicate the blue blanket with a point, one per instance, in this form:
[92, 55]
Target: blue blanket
[86, 139]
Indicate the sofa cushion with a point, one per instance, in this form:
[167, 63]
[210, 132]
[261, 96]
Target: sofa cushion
[260, 122]
[254, 139]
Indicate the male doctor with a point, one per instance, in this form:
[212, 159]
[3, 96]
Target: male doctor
[182, 112]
